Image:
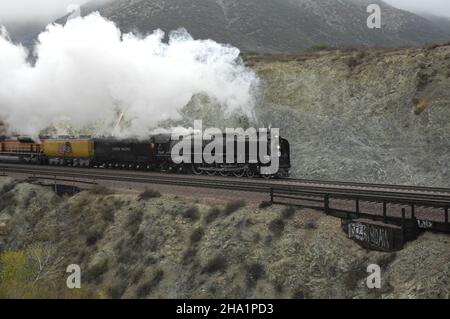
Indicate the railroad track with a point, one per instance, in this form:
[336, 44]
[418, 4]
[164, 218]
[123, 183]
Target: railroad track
[321, 193]
[372, 185]
[440, 195]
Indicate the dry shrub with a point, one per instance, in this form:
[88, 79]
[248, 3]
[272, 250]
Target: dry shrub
[146, 288]
[234, 206]
[215, 264]
[265, 204]
[212, 214]
[255, 271]
[93, 236]
[134, 220]
[288, 212]
[197, 235]
[276, 226]
[311, 225]
[95, 272]
[148, 194]
[192, 213]
[421, 106]
[100, 190]
[116, 290]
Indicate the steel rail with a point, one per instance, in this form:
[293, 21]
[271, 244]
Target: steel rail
[427, 199]
[371, 185]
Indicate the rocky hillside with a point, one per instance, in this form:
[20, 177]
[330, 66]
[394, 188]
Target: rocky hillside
[145, 246]
[371, 115]
[273, 25]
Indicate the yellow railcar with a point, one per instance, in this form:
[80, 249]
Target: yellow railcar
[76, 148]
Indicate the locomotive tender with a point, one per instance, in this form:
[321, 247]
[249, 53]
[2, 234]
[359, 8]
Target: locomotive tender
[153, 153]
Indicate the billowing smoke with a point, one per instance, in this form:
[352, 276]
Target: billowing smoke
[87, 71]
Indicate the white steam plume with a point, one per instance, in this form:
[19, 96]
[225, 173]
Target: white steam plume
[87, 69]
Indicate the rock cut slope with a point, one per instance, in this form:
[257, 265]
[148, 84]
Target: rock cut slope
[173, 248]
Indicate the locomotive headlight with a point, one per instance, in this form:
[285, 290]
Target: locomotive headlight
[279, 146]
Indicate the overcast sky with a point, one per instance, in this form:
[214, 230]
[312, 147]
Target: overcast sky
[437, 7]
[47, 10]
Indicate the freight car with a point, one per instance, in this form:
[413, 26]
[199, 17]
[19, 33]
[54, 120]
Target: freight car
[154, 153]
[22, 149]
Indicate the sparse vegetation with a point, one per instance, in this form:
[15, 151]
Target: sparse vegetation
[117, 289]
[7, 200]
[421, 106]
[276, 226]
[93, 236]
[197, 235]
[300, 293]
[311, 225]
[212, 214]
[97, 270]
[242, 249]
[148, 194]
[192, 213]
[320, 47]
[35, 273]
[264, 204]
[100, 190]
[288, 212]
[189, 255]
[255, 271]
[234, 206]
[146, 288]
[215, 264]
[108, 215]
[134, 220]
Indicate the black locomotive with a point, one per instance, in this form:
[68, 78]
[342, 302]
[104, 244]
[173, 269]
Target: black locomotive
[156, 153]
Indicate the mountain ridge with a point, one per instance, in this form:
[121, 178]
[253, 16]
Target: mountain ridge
[274, 26]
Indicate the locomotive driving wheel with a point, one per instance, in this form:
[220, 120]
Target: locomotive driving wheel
[196, 170]
[250, 173]
[239, 173]
[224, 173]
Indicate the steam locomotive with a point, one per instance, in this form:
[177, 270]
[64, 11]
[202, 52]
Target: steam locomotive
[154, 153]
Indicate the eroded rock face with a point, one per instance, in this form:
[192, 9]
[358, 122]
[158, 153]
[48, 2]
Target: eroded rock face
[169, 247]
[375, 116]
